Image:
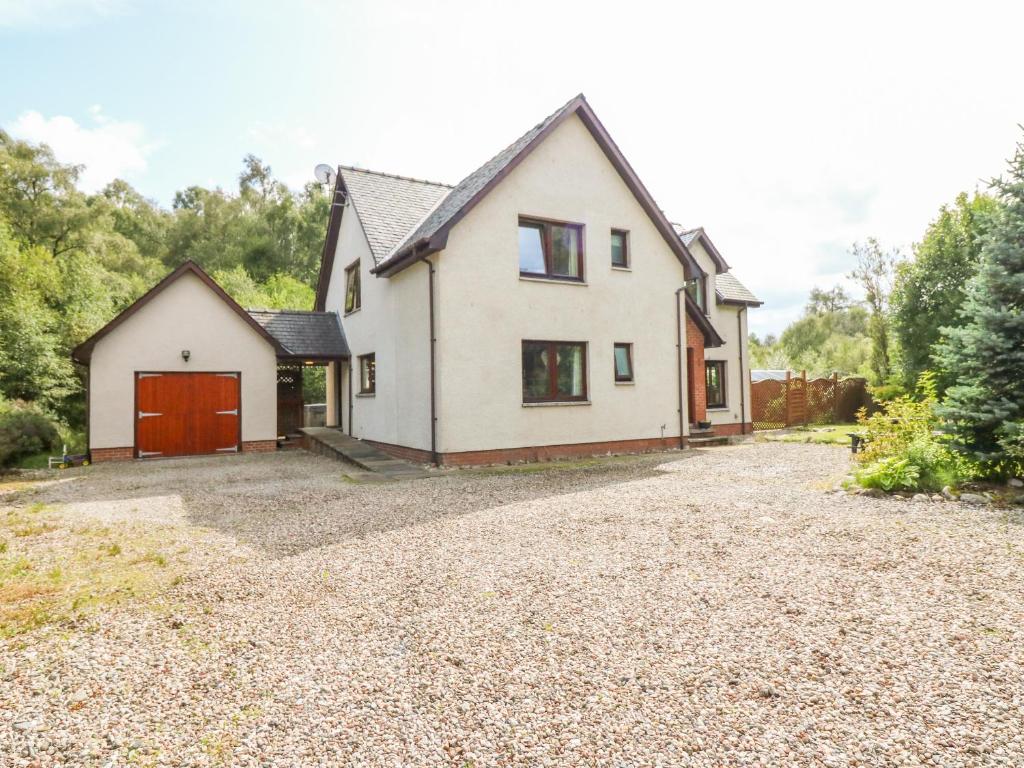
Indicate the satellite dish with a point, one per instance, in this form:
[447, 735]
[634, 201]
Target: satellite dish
[324, 173]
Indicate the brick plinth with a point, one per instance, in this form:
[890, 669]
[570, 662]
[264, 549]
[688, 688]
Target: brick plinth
[728, 430]
[259, 446]
[96, 455]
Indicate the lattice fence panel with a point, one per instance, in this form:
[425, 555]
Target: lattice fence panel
[797, 401]
[768, 404]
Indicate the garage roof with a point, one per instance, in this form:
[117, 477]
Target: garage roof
[307, 335]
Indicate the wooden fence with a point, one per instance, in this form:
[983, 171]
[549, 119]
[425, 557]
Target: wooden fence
[797, 401]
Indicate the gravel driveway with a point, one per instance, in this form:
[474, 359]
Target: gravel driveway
[717, 608]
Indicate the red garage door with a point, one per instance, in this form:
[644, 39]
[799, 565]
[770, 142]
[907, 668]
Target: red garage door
[183, 414]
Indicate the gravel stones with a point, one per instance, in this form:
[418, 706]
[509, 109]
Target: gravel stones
[635, 612]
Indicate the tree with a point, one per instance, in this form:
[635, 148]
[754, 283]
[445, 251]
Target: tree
[822, 301]
[874, 272]
[984, 356]
[929, 289]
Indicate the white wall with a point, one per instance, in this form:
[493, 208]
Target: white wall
[724, 318]
[185, 315]
[485, 309]
[393, 323]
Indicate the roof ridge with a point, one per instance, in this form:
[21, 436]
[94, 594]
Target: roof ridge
[396, 176]
[289, 311]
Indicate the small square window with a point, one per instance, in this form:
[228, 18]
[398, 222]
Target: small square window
[623, 362]
[620, 248]
[353, 297]
[367, 374]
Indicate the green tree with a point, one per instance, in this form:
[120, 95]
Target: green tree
[874, 271]
[985, 355]
[929, 289]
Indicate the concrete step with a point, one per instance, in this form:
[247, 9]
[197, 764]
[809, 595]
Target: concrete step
[328, 441]
[707, 441]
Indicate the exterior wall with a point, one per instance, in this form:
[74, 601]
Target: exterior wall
[393, 323]
[485, 310]
[734, 333]
[185, 315]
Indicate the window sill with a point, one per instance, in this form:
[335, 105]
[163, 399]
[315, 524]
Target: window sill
[625, 383]
[366, 394]
[719, 408]
[352, 312]
[558, 280]
[622, 269]
[554, 403]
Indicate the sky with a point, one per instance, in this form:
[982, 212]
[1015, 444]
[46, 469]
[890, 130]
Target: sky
[788, 130]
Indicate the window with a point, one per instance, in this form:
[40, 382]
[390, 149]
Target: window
[554, 371]
[547, 249]
[620, 248]
[698, 289]
[367, 374]
[353, 299]
[623, 362]
[714, 383]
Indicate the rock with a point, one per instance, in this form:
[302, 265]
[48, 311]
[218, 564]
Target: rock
[947, 492]
[873, 493]
[1015, 482]
[920, 497]
[973, 498]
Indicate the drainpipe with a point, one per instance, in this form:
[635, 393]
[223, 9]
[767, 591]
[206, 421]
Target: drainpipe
[433, 365]
[679, 364]
[743, 382]
[350, 397]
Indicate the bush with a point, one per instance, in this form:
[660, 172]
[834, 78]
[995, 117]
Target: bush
[905, 449]
[24, 432]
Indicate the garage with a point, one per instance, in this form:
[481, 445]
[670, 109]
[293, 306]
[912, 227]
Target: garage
[187, 414]
[186, 371]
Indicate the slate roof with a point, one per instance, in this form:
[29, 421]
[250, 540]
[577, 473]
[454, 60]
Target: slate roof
[686, 235]
[463, 192]
[389, 206]
[313, 335]
[729, 289]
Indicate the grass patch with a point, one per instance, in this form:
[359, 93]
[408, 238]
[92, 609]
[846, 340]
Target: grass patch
[534, 467]
[35, 461]
[822, 434]
[74, 570]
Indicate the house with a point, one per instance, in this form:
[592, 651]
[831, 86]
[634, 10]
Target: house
[542, 307]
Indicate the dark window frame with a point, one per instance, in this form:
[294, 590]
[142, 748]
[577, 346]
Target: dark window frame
[702, 281]
[624, 234]
[350, 271]
[552, 350]
[371, 359]
[619, 379]
[720, 365]
[545, 225]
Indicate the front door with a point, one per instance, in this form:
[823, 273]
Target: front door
[184, 414]
[691, 405]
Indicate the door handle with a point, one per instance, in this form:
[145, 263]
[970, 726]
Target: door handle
[144, 414]
[233, 412]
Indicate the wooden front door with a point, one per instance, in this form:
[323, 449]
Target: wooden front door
[184, 414]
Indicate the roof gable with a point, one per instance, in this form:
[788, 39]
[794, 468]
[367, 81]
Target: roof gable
[83, 352]
[431, 235]
[689, 236]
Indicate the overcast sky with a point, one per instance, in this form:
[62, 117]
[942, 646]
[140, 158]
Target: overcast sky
[787, 130]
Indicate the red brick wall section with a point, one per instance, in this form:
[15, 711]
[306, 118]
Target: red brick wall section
[728, 430]
[97, 455]
[415, 455]
[695, 341]
[259, 446]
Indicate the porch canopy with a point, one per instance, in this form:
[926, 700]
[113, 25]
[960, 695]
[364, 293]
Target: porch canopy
[305, 337]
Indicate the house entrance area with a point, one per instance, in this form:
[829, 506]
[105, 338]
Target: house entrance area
[301, 398]
[187, 414]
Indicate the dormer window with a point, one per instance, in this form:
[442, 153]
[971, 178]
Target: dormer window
[697, 288]
[550, 249]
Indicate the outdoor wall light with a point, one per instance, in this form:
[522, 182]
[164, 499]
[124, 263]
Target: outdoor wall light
[185, 355]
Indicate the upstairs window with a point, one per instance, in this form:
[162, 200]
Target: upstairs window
[623, 362]
[549, 249]
[353, 297]
[620, 248]
[698, 290]
[714, 383]
[554, 371]
[367, 374]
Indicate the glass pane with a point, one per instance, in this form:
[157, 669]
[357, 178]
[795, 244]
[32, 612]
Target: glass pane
[570, 370]
[531, 249]
[352, 290]
[368, 374]
[618, 249]
[695, 288]
[536, 381]
[713, 381]
[622, 367]
[565, 249]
